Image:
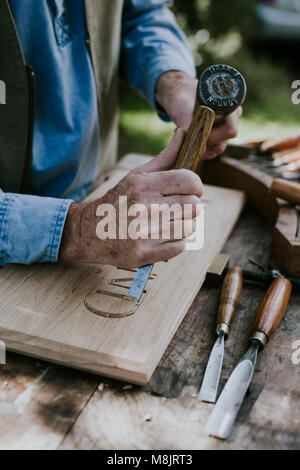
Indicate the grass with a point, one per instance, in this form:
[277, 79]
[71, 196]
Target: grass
[141, 130]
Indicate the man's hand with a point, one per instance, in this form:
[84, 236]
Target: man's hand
[153, 183]
[176, 93]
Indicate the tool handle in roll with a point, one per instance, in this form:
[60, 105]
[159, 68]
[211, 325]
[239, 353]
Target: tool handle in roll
[195, 140]
[272, 307]
[286, 190]
[230, 295]
[280, 143]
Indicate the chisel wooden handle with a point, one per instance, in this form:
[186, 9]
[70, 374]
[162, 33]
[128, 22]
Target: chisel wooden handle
[280, 143]
[195, 140]
[230, 295]
[271, 309]
[286, 190]
[293, 153]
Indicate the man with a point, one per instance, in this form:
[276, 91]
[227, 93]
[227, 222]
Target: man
[72, 48]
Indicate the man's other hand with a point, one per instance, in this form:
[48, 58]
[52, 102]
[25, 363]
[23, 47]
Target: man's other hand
[176, 93]
[153, 183]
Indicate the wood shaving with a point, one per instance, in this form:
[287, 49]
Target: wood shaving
[127, 387]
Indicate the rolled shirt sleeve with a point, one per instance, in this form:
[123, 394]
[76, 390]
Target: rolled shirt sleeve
[31, 228]
[152, 44]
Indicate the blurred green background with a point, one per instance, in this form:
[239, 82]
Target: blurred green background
[223, 32]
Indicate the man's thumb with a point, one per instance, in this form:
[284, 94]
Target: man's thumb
[167, 158]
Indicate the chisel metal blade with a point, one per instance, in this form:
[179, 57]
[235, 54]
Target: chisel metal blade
[139, 282]
[229, 403]
[209, 388]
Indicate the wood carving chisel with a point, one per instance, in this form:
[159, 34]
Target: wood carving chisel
[221, 90]
[230, 294]
[287, 191]
[291, 175]
[290, 157]
[276, 144]
[266, 321]
[295, 166]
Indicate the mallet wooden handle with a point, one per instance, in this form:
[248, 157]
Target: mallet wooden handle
[195, 140]
[230, 295]
[271, 309]
[286, 190]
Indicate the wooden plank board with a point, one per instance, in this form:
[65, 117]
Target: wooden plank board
[42, 313]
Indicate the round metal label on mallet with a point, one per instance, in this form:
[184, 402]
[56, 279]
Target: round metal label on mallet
[222, 88]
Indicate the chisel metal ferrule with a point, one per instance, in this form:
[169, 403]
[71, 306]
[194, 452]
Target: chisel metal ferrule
[223, 327]
[261, 337]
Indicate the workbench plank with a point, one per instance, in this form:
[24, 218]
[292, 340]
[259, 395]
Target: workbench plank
[39, 402]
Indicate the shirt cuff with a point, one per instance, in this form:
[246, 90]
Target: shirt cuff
[31, 228]
[155, 68]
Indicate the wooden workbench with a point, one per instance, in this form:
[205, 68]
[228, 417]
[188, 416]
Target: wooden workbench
[44, 406]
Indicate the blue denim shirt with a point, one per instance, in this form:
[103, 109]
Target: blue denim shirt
[66, 142]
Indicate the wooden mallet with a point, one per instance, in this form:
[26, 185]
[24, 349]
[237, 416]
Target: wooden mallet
[221, 90]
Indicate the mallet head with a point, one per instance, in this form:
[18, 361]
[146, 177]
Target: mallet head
[221, 88]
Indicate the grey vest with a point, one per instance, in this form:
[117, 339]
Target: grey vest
[104, 19]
